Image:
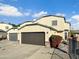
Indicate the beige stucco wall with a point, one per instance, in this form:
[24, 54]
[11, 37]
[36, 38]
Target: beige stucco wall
[3, 26]
[61, 34]
[36, 28]
[13, 31]
[67, 26]
[48, 21]
[61, 24]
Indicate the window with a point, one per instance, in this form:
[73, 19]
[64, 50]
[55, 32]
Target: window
[54, 22]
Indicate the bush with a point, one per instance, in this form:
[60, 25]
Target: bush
[55, 40]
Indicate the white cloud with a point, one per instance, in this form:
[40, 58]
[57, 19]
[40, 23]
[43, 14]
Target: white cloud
[27, 13]
[75, 26]
[39, 14]
[76, 17]
[69, 20]
[60, 14]
[75, 22]
[9, 10]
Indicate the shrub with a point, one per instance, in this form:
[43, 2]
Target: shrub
[55, 40]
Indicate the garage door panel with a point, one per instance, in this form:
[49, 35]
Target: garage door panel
[37, 38]
[13, 36]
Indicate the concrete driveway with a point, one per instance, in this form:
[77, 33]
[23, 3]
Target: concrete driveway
[12, 50]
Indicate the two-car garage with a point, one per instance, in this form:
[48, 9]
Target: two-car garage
[36, 38]
[35, 34]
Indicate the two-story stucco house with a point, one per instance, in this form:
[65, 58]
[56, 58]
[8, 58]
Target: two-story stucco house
[4, 27]
[38, 32]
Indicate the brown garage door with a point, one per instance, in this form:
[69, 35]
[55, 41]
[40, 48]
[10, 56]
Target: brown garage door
[37, 38]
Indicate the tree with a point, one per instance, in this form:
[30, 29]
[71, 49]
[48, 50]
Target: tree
[14, 25]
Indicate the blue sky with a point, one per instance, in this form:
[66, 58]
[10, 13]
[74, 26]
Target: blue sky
[18, 11]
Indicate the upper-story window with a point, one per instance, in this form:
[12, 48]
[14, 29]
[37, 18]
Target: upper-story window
[54, 22]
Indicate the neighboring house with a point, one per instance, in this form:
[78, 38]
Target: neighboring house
[4, 27]
[3, 34]
[38, 32]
